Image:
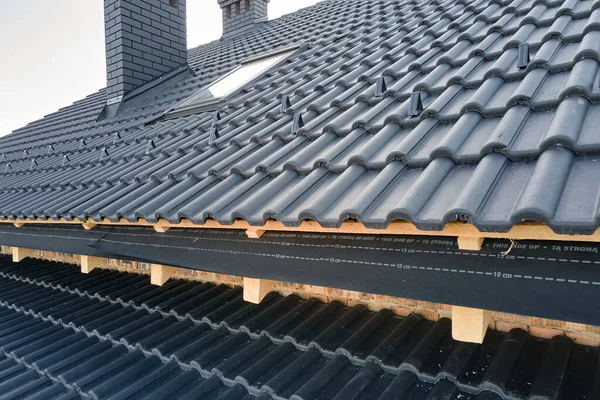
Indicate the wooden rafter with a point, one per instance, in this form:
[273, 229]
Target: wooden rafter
[254, 233]
[470, 243]
[88, 225]
[88, 263]
[470, 324]
[255, 290]
[19, 253]
[160, 274]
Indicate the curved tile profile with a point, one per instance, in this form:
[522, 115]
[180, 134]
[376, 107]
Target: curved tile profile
[494, 144]
[111, 334]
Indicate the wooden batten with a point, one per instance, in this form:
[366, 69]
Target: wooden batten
[88, 263]
[19, 224]
[465, 232]
[470, 243]
[19, 253]
[160, 274]
[254, 233]
[255, 290]
[470, 324]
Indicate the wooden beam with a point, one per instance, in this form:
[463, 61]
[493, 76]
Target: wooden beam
[88, 225]
[255, 233]
[470, 324]
[255, 290]
[19, 253]
[161, 228]
[470, 243]
[88, 263]
[522, 231]
[160, 274]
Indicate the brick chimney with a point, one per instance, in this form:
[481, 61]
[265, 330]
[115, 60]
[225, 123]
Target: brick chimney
[144, 40]
[240, 16]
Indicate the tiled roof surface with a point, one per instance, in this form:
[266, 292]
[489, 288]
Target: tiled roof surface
[112, 334]
[494, 145]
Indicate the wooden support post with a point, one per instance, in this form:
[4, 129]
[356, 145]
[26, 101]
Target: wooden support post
[19, 224]
[255, 290]
[470, 324]
[254, 233]
[161, 228]
[470, 243]
[160, 274]
[88, 225]
[88, 263]
[19, 253]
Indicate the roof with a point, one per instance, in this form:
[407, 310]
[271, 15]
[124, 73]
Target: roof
[494, 145]
[112, 334]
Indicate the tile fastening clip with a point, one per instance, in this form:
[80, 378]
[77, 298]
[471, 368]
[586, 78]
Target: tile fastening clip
[7, 167]
[380, 87]
[64, 160]
[285, 103]
[415, 106]
[216, 118]
[103, 153]
[116, 137]
[524, 57]
[81, 144]
[50, 148]
[297, 123]
[33, 164]
[213, 136]
[150, 146]
[25, 153]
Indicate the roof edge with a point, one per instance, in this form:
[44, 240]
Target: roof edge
[466, 233]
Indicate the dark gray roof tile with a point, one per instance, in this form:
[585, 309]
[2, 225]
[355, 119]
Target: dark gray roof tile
[361, 149]
[112, 334]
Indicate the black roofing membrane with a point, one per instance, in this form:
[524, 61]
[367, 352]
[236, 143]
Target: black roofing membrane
[565, 276]
[110, 334]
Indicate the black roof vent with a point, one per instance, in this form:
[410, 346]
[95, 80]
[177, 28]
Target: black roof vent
[150, 146]
[285, 103]
[416, 105]
[380, 87]
[297, 123]
[214, 135]
[524, 57]
[64, 160]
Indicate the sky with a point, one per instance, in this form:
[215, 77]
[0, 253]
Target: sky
[52, 51]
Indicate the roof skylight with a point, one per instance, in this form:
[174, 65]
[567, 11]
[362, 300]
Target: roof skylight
[211, 97]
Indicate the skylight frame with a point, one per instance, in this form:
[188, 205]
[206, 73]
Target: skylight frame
[189, 106]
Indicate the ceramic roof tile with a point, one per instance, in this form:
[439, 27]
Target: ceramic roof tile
[492, 136]
[111, 334]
